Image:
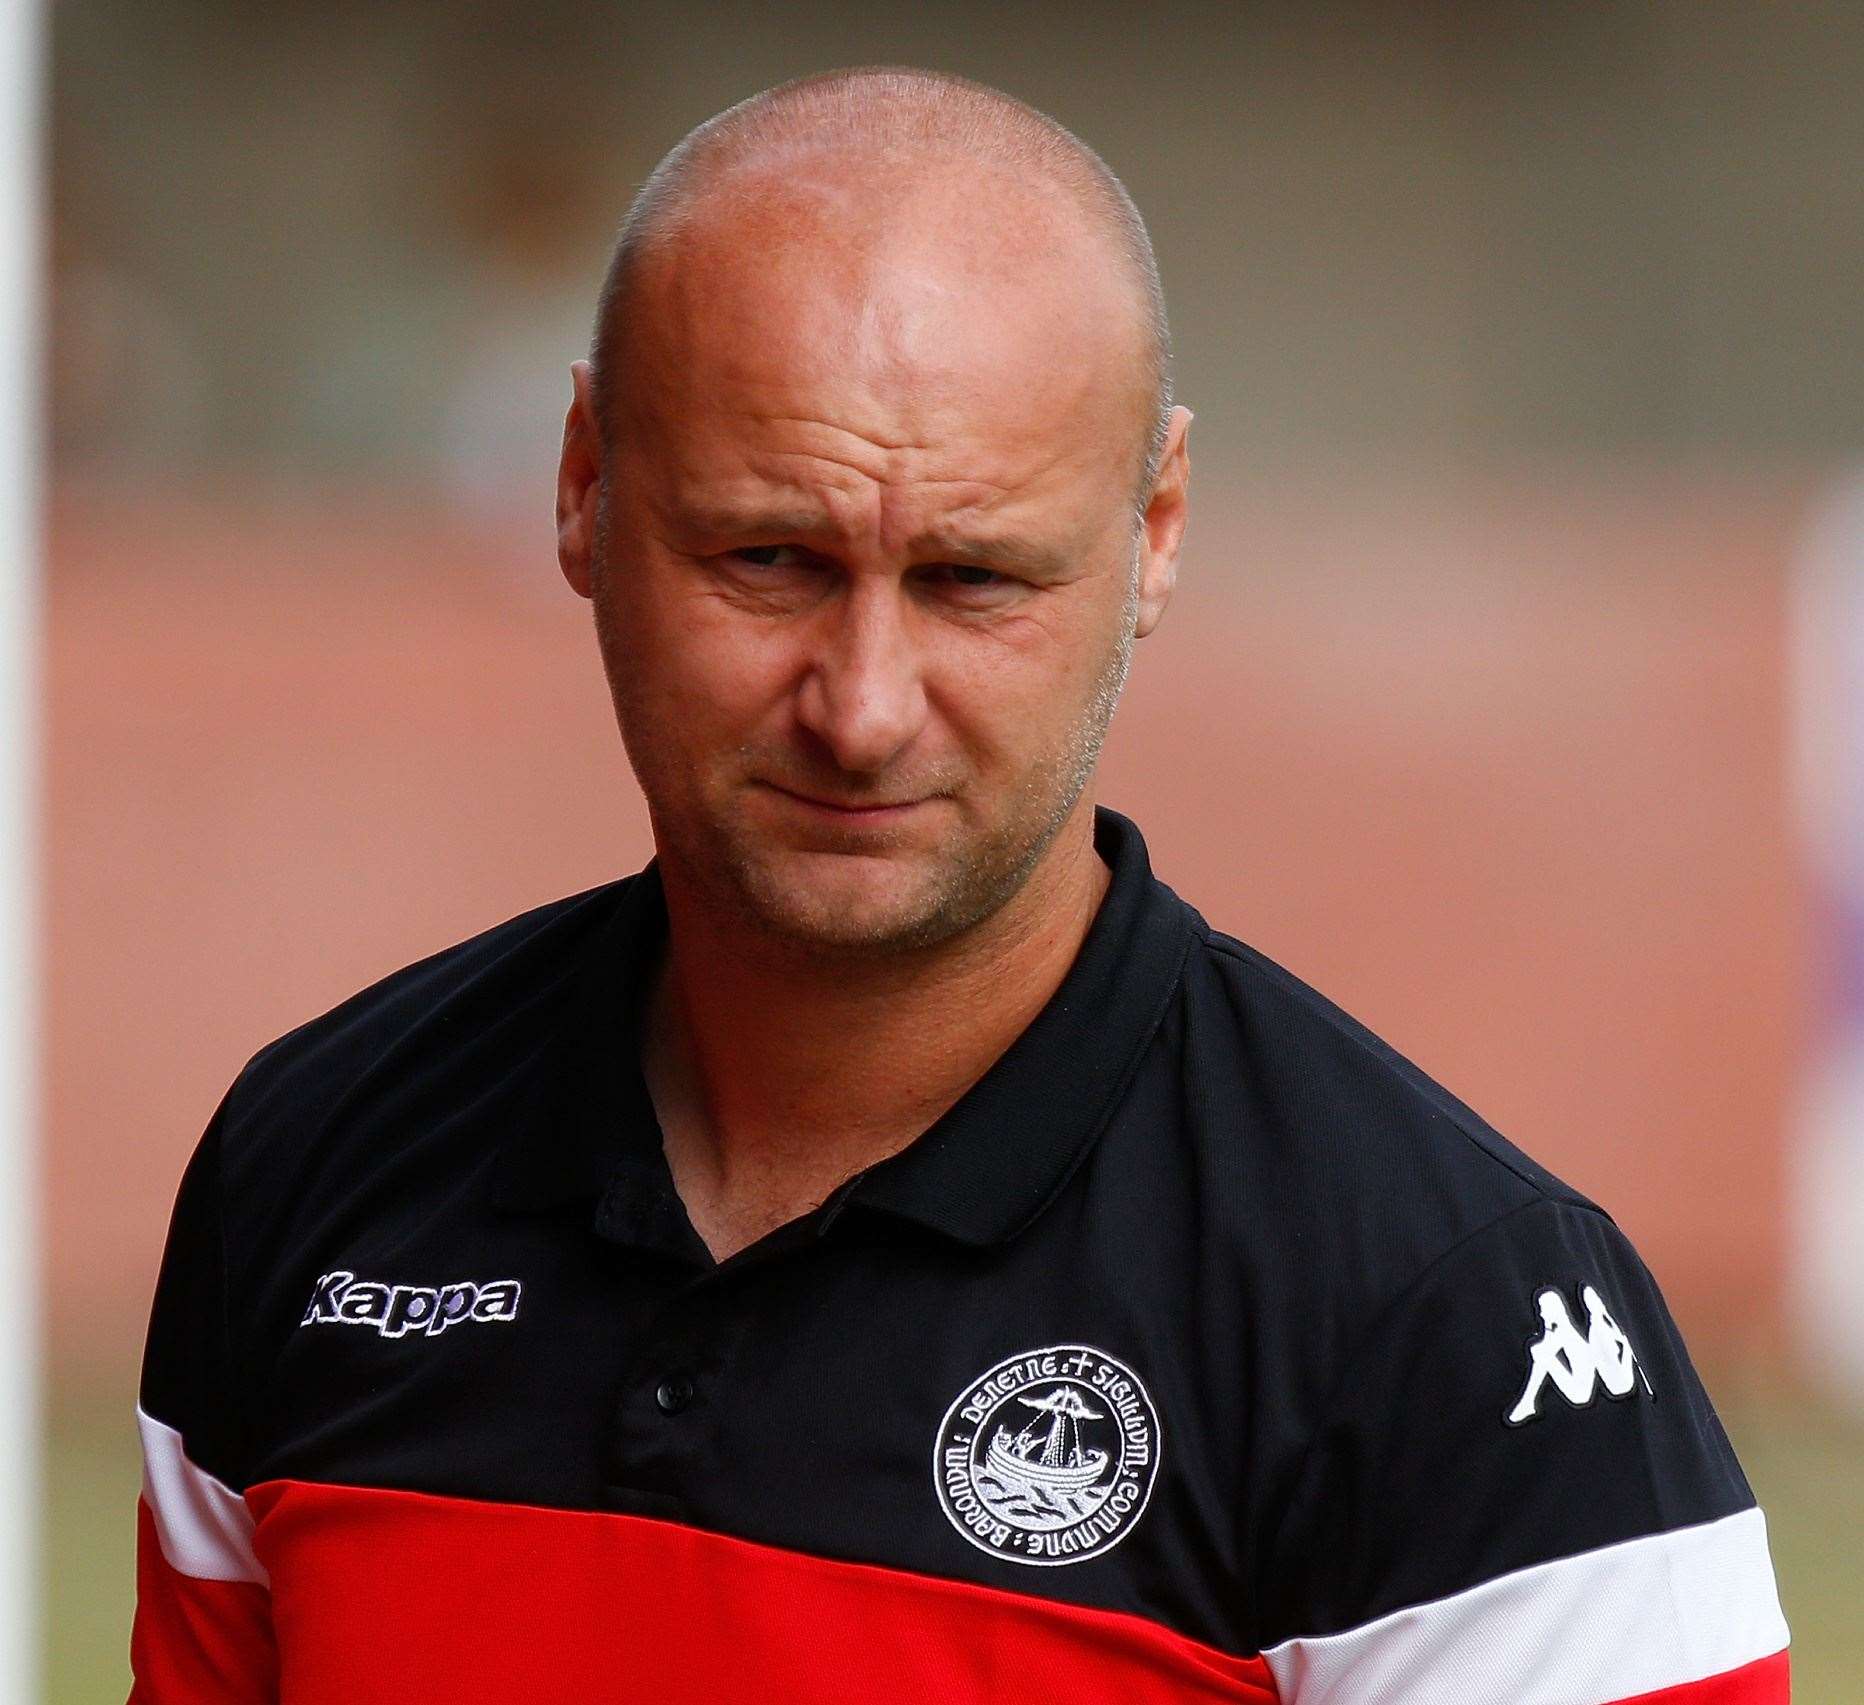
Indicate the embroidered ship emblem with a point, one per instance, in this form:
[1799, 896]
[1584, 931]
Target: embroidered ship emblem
[1054, 1461]
[1050, 1457]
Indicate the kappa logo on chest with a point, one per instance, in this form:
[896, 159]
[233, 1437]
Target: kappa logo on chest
[395, 1311]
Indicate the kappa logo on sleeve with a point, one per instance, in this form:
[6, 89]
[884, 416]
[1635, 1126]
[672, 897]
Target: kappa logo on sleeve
[341, 1299]
[1576, 1363]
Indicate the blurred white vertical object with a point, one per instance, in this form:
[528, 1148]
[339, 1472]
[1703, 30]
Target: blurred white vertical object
[1826, 1231]
[21, 62]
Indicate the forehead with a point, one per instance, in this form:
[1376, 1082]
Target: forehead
[959, 320]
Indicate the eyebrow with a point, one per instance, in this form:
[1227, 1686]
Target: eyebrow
[1002, 550]
[725, 522]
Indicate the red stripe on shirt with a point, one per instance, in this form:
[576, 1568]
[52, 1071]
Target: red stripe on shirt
[382, 1597]
[1765, 1682]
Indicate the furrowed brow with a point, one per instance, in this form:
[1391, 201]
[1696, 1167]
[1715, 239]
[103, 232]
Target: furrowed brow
[731, 521]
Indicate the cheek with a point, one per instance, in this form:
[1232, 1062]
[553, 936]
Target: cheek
[686, 679]
[1024, 687]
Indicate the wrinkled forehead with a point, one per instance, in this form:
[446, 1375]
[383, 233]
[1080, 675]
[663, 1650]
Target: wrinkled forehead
[954, 307]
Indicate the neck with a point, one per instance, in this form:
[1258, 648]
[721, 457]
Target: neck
[779, 1077]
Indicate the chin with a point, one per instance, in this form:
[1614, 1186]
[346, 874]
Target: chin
[863, 904]
[848, 905]
[845, 904]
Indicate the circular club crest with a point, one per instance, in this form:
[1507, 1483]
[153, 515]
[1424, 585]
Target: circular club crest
[1050, 1457]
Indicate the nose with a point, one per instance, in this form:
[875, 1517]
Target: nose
[863, 695]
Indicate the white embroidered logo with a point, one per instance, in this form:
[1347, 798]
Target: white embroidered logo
[340, 1299]
[1050, 1457]
[1577, 1363]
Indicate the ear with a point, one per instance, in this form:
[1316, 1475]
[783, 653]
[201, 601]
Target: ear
[1163, 526]
[579, 484]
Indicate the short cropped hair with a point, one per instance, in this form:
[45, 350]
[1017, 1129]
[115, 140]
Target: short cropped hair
[877, 110]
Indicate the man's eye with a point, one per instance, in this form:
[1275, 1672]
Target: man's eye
[761, 556]
[964, 574]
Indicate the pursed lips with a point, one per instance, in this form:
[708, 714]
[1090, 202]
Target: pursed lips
[857, 810]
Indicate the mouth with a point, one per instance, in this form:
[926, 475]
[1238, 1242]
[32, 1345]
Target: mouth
[853, 811]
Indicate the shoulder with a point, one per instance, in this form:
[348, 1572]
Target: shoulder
[359, 1110]
[1361, 1105]
[435, 1031]
[1334, 1145]
[1437, 1328]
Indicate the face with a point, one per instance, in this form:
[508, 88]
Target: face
[866, 566]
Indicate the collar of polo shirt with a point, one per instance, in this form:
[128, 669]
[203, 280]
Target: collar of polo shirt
[981, 1173]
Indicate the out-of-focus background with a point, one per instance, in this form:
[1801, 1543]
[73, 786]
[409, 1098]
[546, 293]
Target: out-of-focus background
[1513, 695]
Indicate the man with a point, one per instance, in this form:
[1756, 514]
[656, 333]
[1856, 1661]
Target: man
[893, 1248]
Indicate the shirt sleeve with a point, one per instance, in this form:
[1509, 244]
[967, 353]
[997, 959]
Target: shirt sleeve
[203, 1627]
[1520, 1491]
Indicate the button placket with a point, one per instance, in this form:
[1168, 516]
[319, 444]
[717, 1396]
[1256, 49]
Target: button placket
[675, 1409]
[662, 1423]
[673, 1394]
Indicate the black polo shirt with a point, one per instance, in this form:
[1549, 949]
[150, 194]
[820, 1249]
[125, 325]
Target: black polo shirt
[1205, 1349]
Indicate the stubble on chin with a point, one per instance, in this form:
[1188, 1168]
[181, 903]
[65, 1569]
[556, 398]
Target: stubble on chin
[884, 899]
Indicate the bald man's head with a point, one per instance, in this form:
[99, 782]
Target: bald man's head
[891, 146]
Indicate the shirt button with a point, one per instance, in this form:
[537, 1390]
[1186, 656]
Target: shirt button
[673, 1394]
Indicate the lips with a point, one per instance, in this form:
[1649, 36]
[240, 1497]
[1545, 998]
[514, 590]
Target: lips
[854, 809]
